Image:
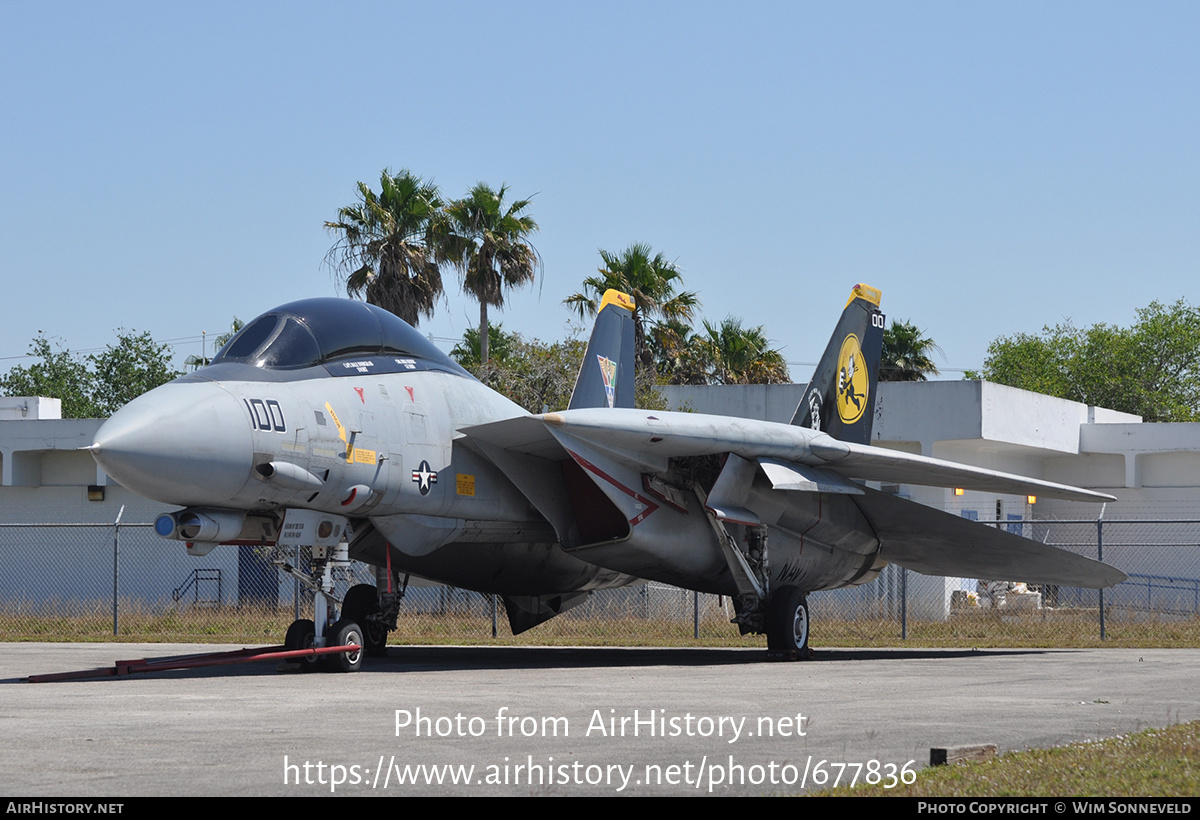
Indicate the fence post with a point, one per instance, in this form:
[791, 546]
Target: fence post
[695, 614]
[493, 597]
[116, 564]
[296, 585]
[903, 604]
[1100, 557]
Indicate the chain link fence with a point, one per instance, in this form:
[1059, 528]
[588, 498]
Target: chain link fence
[123, 582]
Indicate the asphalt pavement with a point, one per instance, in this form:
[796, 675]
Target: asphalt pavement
[558, 721]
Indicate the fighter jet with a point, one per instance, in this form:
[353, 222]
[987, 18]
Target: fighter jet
[332, 425]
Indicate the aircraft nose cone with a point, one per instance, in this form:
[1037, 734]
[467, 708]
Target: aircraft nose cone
[186, 443]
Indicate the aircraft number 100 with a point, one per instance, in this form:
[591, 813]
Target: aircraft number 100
[266, 415]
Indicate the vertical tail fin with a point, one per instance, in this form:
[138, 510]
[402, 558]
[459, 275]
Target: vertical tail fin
[840, 399]
[606, 375]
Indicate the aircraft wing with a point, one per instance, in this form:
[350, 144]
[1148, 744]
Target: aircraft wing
[648, 438]
[794, 458]
[869, 463]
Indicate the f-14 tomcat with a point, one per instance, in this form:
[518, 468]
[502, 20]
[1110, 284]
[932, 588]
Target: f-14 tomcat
[332, 424]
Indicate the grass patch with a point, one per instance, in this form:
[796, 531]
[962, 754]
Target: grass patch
[570, 630]
[140, 623]
[1076, 629]
[468, 621]
[1153, 763]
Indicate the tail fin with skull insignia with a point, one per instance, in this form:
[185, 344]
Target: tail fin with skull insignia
[840, 399]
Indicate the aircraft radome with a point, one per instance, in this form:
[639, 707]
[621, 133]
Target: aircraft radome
[334, 425]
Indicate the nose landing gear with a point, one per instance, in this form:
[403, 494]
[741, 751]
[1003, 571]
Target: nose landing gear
[367, 607]
[344, 632]
[362, 619]
[326, 629]
[300, 635]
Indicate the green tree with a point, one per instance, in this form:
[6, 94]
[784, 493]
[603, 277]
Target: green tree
[539, 376]
[467, 352]
[652, 282]
[741, 355]
[122, 372]
[390, 246]
[94, 386]
[1151, 368]
[679, 358]
[489, 243]
[57, 374]
[906, 353]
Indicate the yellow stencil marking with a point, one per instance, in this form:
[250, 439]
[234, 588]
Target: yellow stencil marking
[341, 432]
[353, 454]
[465, 484]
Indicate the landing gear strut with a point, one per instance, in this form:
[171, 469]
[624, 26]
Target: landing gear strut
[781, 613]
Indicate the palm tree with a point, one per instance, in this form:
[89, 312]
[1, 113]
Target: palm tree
[196, 362]
[678, 356]
[650, 280]
[468, 352]
[488, 242]
[906, 354]
[388, 245]
[738, 355]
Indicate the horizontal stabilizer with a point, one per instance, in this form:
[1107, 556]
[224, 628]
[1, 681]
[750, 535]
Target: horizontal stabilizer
[932, 542]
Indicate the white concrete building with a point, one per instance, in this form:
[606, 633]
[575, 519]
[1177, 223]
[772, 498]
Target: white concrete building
[45, 478]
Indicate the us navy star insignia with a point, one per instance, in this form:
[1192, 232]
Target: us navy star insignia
[424, 477]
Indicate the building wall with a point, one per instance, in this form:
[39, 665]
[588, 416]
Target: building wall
[45, 481]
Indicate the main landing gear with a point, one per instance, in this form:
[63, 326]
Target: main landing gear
[781, 613]
[787, 625]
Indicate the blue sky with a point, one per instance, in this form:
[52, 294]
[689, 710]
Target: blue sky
[992, 168]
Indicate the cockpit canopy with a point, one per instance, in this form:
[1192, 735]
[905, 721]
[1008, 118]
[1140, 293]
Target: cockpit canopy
[313, 332]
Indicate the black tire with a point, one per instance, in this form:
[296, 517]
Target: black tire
[300, 635]
[788, 622]
[340, 633]
[360, 603]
